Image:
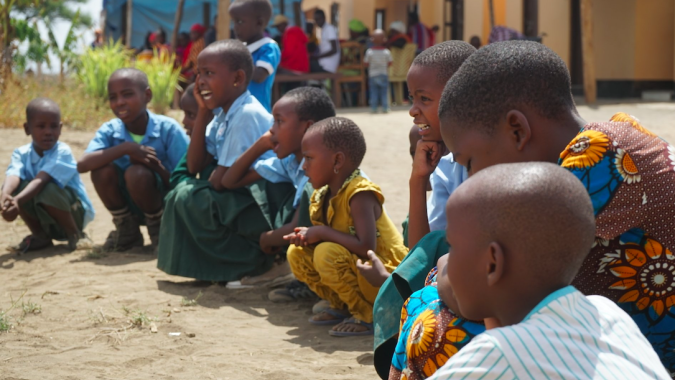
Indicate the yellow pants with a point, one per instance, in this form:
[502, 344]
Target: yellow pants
[330, 271]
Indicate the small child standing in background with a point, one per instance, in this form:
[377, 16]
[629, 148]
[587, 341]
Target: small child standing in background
[348, 220]
[378, 59]
[42, 184]
[250, 18]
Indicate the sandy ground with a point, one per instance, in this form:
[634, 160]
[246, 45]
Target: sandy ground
[89, 304]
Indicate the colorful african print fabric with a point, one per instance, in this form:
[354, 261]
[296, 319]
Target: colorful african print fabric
[430, 334]
[630, 175]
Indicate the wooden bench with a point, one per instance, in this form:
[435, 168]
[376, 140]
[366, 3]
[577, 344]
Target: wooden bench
[285, 78]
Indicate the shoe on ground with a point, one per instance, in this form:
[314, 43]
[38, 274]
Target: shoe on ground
[126, 236]
[279, 274]
[294, 291]
[80, 241]
[31, 243]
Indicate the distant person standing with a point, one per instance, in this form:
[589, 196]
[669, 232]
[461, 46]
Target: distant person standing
[327, 59]
[294, 55]
[378, 59]
[211, 33]
[418, 32]
[397, 36]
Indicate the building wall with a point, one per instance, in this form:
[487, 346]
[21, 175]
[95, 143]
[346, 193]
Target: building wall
[473, 20]
[654, 30]
[554, 21]
[614, 39]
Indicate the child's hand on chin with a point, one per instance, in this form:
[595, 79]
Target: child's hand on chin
[374, 272]
[427, 156]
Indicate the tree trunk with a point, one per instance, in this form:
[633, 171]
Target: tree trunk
[588, 51]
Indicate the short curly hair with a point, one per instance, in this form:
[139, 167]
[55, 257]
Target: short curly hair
[234, 54]
[445, 57]
[261, 8]
[342, 135]
[311, 103]
[503, 76]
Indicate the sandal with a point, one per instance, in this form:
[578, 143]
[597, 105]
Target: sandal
[338, 314]
[355, 321]
[30, 243]
[295, 290]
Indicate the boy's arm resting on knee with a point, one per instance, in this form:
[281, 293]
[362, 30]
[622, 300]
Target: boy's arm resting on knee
[270, 241]
[216, 178]
[33, 188]
[94, 160]
[365, 209]
[197, 157]
[10, 185]
[240, 174]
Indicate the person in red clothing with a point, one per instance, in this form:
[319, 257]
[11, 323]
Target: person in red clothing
[294, 55]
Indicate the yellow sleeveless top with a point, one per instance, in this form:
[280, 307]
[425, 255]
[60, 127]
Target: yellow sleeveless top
[390, 247]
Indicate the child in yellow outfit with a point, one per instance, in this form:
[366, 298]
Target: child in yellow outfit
[348, 221]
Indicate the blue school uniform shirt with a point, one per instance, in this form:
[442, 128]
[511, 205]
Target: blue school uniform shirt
[287, 169]
[230, 133]
[567, 336]
[266, 54]
[59, 163]
[444, 180]
[163, 134]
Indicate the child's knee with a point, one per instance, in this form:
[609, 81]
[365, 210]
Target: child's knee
[139, 176]
[105, 175]
[328, 257]
[49, 192]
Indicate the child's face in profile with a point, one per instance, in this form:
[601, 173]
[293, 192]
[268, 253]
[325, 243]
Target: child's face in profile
[247, 25]
[218, 85]
[466, 265]
[425, 94]
[44, 127]
[189, 106]
[319, 160]
[126, 98]
[287, 130]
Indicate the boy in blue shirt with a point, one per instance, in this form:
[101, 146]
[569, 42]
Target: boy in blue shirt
[42, 184]
[250, 17]
[131, 159]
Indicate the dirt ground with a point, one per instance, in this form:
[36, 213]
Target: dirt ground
[89, 304]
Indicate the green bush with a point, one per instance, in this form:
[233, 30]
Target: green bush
[163, 79]
[96, 65]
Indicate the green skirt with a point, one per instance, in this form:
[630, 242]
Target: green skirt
[408, 277]
[64, 199]
[214, 236]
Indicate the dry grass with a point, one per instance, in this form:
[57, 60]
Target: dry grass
[78, 110]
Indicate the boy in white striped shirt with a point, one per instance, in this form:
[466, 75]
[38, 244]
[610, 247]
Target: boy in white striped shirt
[525, 231]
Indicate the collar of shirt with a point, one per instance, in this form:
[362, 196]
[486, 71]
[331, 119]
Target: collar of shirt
[550, 298]
[35, 157]
[223, 118]
[258, 44]
[152, 130]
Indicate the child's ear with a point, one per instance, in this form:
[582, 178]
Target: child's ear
[306, 124]
[338, 161]
[26, 129]
[148, 95]
[519, 129]
[239, 78]
[495, 264]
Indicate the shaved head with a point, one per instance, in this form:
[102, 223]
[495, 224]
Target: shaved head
[40, 105]
[538, 212]
[135, 75]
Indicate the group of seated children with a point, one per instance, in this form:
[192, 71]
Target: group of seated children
[486, 292]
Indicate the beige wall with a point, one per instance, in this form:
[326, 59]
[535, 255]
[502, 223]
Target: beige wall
[473, 20]
[554, 20]
[614, 38]
[654, 30]
[514, 14]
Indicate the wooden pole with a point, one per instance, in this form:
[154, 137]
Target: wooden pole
[129, 13]
[176, 25]
[588, 51]
[223, 26]
[492, 14]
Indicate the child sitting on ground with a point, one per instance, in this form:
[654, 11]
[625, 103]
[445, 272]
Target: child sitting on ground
[250, 18]
[378, 59]
[42, 185]
[189, 106]
[211, 233]
[348, 220]
[513, 264]
[296, 111]
[131, 159]
[427, 76]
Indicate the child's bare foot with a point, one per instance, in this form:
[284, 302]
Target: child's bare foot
[374, 272]
[352, 327]
[329, 316]
[279, 274]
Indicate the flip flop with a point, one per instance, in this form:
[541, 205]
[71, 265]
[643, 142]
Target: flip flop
[338, 314]
[353, 333]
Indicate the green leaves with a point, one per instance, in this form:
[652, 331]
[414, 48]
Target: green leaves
[96, 65]
[163, 78]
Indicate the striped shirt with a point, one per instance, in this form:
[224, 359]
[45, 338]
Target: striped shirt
[567, 336]
[378, 60]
